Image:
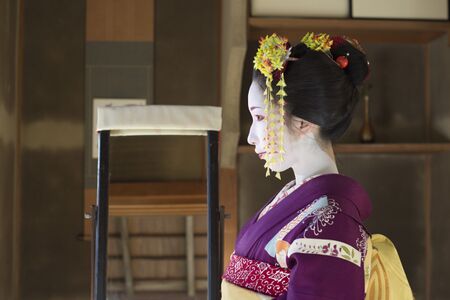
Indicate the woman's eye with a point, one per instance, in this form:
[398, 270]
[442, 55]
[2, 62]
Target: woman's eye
[259, 117]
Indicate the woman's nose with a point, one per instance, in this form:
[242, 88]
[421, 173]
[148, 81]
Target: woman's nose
[251, 138]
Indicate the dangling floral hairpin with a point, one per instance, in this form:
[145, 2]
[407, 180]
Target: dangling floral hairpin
[270, 60]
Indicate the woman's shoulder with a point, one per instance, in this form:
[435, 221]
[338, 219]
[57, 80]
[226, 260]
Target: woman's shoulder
[349, 193]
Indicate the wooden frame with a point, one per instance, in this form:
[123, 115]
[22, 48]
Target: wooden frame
[379, 31]
[402, 148]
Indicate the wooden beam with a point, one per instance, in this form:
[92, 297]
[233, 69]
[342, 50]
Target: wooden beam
[156, 268]
[380, 31]
[402, 148]
[120, 20]
[158, 257]
[160, 191]
[158, 285]
[114, 236]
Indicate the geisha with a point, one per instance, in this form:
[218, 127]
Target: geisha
[308, 242]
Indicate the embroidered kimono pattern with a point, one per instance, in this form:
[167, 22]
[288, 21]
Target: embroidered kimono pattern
[361, 242]
[326, 247]
[322, 217]
[256, 275]
[312, 243]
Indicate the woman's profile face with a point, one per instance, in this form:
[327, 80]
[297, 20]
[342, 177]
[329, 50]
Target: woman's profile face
[257, 132]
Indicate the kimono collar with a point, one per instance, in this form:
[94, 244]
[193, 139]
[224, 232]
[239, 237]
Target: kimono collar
[347, 191]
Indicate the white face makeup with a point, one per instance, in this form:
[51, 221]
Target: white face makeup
[302, 150]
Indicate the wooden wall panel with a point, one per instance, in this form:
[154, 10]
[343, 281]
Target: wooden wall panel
[157, 246]
[186, 52]
[440, 226]
[120, 20]
[153, 225]
[156, 268]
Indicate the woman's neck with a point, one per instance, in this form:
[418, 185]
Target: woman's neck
[313, 158]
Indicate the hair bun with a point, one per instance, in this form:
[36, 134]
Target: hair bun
[299, 50]
[358, 66]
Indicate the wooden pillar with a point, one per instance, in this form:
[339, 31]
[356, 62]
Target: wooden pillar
[233, 49]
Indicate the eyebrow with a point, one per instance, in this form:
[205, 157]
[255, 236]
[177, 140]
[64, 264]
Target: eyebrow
[253, 107]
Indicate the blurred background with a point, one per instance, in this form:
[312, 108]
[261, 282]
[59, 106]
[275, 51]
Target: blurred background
[61, 60]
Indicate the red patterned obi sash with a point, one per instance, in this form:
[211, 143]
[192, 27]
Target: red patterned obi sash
[258, 276]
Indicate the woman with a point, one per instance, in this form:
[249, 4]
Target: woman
[308, 242]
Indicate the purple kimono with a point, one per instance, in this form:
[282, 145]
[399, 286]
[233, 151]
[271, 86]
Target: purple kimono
[310, 246]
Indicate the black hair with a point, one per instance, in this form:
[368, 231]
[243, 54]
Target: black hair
[318, 90]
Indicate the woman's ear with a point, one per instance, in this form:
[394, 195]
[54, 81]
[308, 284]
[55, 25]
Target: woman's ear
[302, 126]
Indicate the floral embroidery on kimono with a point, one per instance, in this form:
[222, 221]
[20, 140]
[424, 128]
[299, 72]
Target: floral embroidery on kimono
[361, 242]
[322, 217]
[326, 247]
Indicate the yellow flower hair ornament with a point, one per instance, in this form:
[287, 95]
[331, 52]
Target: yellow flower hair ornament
[318, 42]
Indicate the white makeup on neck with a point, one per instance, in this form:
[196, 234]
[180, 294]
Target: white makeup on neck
[303, 152]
